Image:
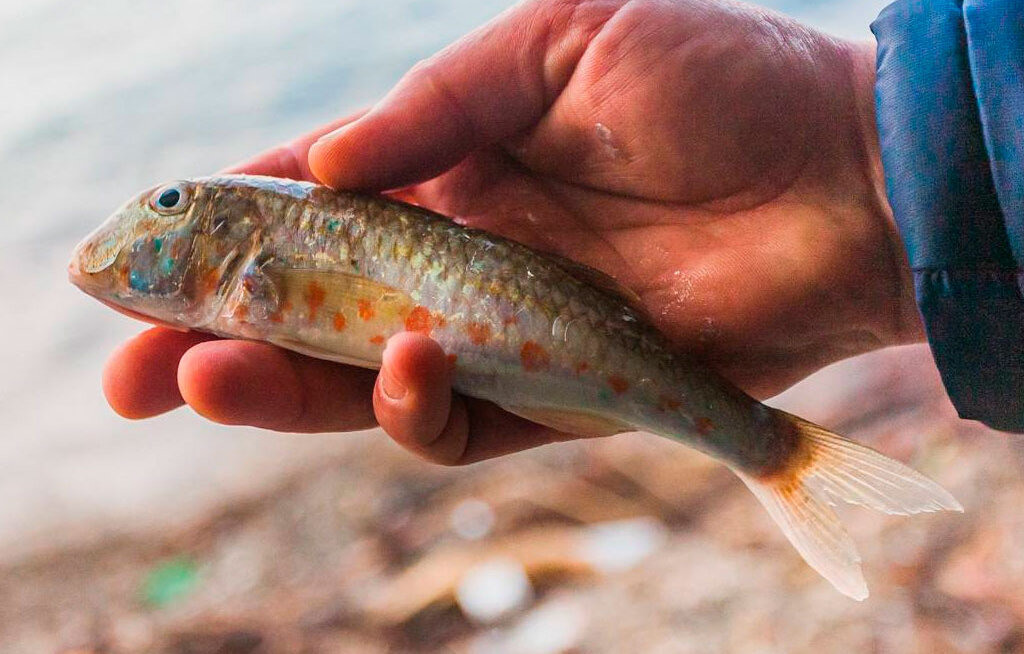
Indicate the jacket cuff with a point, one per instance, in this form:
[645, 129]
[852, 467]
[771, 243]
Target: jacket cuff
[950, 94]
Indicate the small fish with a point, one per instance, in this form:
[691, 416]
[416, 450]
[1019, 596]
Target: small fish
[333, 275]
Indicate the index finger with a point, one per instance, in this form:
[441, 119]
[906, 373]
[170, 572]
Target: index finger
[290, 160]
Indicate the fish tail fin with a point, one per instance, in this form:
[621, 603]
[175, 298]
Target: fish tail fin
[827, 467]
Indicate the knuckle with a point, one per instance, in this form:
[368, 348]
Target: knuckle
[287, 162]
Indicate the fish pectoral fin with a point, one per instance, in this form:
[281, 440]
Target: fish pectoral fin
[323, 353]
[332, 291]
[582, 423]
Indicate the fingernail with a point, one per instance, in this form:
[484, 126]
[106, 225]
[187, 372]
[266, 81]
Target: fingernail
[391, 387]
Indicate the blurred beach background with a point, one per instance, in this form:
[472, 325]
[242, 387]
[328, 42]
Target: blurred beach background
[175, 535]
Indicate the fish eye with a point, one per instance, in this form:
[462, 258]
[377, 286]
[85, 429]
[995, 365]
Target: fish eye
[170, 199]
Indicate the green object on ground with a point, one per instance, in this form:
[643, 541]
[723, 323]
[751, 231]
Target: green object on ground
[169, 581]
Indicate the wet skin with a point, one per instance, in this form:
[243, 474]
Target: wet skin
[720, 161]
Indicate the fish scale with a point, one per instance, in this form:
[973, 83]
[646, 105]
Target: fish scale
[334, 275]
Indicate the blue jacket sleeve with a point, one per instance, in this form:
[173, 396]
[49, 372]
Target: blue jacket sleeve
[950, 99]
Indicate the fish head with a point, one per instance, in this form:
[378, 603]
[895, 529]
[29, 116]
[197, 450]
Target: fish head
[163, 256]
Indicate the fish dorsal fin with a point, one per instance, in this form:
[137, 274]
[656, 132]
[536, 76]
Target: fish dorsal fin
[598, 279]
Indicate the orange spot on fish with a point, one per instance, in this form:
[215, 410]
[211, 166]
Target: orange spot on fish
[704, 425]
[366, 311]
[240, 311]
[534, 357]
[618, 384]
[377, 340]
[339, 321]
[210, 279]
[510, 320]
[278, 316]
[452, 358]
[314, 297]
[582, 367]
[479, 333]
[419, 320]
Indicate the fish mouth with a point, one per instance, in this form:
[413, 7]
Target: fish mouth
[93, 256]
[100, 249]
[74, 270]
[141, 316]
[92, 285]
[84, 280]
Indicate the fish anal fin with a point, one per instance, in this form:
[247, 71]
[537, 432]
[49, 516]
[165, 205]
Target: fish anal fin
[323, 353]
[582, 423]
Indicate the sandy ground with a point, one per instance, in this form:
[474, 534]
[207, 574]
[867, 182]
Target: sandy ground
[611, 545]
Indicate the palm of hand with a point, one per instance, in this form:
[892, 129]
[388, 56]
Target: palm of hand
[703, 168]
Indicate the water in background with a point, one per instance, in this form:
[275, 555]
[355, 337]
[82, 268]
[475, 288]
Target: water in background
[107, 97]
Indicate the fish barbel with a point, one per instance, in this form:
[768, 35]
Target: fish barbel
[333, 275]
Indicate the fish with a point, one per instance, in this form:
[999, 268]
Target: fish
[333, 275]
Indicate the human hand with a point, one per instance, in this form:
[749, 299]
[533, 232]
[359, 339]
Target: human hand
[718, 159]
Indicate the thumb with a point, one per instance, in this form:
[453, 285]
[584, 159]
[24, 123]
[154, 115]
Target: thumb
[414, 403]
[486, 87]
